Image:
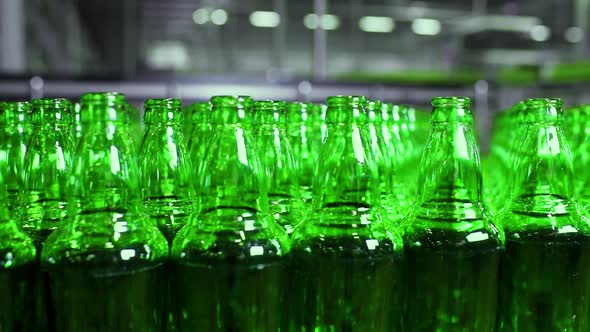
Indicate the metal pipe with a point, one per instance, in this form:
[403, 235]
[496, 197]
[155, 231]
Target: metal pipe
[12, 36]
[320, 41]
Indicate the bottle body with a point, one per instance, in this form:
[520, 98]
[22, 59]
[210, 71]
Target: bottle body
[347, 262]
[106, 264]
[452, 245]
[48, 167]
[232, 246]
[544, 266]
[165, 168]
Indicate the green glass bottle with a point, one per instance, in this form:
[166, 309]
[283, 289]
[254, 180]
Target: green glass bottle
[200, 134]
[347, 262]
[276, 155]
[47, 170]
[545, 275]
[229, 265]
[15, 119]
[166, 171]
[106, 264]
[18, 131]
[384, 154]
[196, 118]
[577, 130]
[19, 282]
[452, 246]
[300, 134]
[405, 155]
[503, 151]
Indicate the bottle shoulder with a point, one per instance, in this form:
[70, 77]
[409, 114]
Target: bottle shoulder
[220, 234]
[100, 237]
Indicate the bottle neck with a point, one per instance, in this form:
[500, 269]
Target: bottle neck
[450, 174]
[544, 172]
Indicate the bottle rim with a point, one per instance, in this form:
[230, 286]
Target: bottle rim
[18, 106]
[231, 101]
[168, 103]
[336, 101]
[451, 101]
[537, 102]
[276, 105]
[102, 98]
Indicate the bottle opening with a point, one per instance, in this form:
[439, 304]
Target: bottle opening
[101, 98]
[543, 110]
[543, 102]
[52, 103]
[451, 109]
[337, 101]
[269, 105]
[231, 101]
[451, 102]
[167, 103]
[162, 110]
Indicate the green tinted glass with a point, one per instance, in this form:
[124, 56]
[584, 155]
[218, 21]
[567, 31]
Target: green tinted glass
[450, 233]
[166, 171]
[544, 230]
[106, 263]
[232, 238]
[344, 250]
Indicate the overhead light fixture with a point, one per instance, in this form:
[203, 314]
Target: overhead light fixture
[574, 34]
[496, 23]
[201, 16]
[540, 33]
[265, 19]
[218, 17]
[380, 24]
[426, 26]
[326, 21]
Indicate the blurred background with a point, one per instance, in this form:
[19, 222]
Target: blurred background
[495, 51]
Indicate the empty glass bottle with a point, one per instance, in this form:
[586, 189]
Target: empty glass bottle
[300, 132]
[47, 170]
[106, 263]
[384, 155]
[18, 131]
[280, 173]
[545, 275]
[577, 131]
[348, 262]
[229, 265]
[19, 282]
[196, 115]
[166, 171]
[452, 246]
[200, 134]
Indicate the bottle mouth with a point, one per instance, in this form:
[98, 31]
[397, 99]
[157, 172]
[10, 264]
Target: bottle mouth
[543, 111]
[451, 102]
[168, 103]
[52, 103]
[338, 101]
[102, 98]
[231, 101]
[543, 102]
[269, 105]
[18, 106]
